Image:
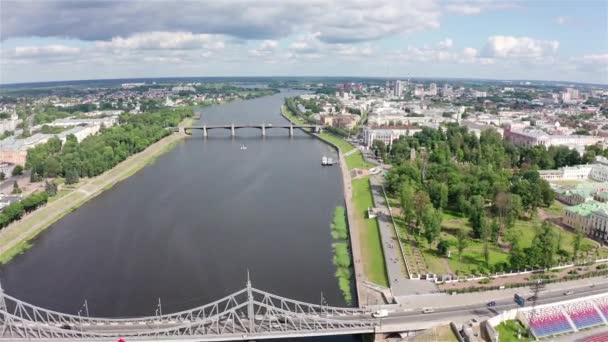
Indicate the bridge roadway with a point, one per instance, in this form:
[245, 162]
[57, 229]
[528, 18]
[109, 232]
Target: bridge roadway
[245, 315]
[263, 127]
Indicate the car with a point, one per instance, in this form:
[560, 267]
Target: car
[380, 313]
[428, 310]
[491, 304]
[569, 292]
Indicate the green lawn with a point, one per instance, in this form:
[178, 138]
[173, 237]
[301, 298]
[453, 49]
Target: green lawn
[472, 259]
[556, 209]
[353, 161]
[371, 245]
[507, 331]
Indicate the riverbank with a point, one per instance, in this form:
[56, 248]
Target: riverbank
[366, 249]
[17, 237]
[354, 159]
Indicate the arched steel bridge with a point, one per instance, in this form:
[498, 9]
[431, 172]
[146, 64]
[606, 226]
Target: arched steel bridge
[244, 315]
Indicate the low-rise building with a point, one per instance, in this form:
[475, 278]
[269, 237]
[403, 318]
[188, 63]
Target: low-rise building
[533, 137]
[580, 193]
[591, 217]
[387, 134]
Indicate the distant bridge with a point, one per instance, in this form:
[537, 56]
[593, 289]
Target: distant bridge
[263, 127]
[244, 315]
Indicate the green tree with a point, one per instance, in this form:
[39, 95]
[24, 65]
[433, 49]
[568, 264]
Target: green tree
[421, 202]
[442, 247]
[438, 193]
[379, 149]
[517, 257]
[17, 170]
[51, 188]
[53, 166]
[431, 220]
[576, 242]
[71, 176]
[406, 197]
[16, 189]
[461, 242]
[486, 252]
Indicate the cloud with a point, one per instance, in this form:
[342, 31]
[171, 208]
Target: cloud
[446, 43]
[597, 63]
[519, 47]
[562, 20]
[265, 48]
[474, 7]
[337, 21]
[45, 51]
[163, 41]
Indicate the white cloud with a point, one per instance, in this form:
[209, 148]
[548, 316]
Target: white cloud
[265, 48]
[338, 21]
[519, 47]
[446, 43]
[563, 20]
[470, 52]
[597, 63]
[45, 51]
[474, 7]
[163, 41]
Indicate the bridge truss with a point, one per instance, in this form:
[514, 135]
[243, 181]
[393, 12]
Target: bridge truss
[243, 315]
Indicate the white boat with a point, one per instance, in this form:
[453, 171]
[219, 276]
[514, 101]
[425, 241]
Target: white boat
[243, 147]
[324, 160]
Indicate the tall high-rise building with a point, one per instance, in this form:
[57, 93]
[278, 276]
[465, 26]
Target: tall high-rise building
[432, 89]
[399, 87]
[447, 90]
[419, 90]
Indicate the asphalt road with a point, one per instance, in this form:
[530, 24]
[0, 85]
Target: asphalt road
[464, 313]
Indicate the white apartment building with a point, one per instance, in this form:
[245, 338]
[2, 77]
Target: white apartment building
[598, 171]
[399, 88]
[533, 137]
[9, 124]
[387, 134]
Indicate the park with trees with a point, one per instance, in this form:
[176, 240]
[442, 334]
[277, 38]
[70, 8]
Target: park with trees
[100, 152]
[472, 202]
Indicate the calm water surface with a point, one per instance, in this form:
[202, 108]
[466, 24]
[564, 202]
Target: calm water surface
[187, 227]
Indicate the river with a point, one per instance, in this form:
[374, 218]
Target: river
[188, 227]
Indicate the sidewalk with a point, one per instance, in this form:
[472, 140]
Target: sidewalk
[399, 281]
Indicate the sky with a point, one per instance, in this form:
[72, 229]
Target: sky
[48, 40]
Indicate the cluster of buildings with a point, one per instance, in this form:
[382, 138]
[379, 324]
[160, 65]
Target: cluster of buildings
[586, 196]
[14, 150]
[532, 137]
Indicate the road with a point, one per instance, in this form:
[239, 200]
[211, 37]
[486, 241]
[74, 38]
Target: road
[480, 311]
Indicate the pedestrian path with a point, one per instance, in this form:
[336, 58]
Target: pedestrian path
[400, 283]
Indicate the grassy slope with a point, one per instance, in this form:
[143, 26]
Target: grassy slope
[472, 256]
[371, 245]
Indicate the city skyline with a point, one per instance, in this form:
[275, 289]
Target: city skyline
[532, 40]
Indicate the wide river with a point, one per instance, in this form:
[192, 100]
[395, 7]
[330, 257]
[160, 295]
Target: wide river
[188, 227]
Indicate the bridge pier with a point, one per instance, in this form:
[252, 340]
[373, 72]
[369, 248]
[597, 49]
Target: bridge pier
[232, 131]
[204, 131]
[263, 130]
[290, 131]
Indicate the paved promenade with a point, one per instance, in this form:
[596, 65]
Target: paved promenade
[399, 281]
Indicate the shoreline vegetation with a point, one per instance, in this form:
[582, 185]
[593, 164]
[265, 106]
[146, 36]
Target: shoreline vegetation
[342, 256]
[367, 230]
[18, 237]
